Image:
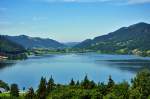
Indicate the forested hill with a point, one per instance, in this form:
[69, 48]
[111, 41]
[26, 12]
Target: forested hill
[11, 49]
[134, 37]
[35, 42]
[8, 46]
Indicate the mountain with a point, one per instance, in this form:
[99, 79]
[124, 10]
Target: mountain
[136, 36]
[83, 44]
[7, 45]
[35, 42]
[10, 49]
[71, 44]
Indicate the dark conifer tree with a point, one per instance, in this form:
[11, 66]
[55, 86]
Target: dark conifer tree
[41, 92]
[72, 83]
[23, 88]
[14, 91]
[85, 82]
[78, 83]
[30, 94]
[111, 84]
[102, 88]
[50, 85]
[92, 84]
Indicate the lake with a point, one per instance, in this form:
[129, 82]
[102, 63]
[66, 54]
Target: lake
[63, 67]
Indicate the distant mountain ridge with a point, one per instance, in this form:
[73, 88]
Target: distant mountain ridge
[71, 44]
[136, 36]
[35, 42]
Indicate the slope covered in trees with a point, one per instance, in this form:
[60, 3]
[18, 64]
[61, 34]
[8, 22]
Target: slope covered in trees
[8, 46]
[11, 49]
[35, 42]
[132, 39]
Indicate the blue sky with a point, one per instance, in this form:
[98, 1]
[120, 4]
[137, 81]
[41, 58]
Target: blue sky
[70, 20]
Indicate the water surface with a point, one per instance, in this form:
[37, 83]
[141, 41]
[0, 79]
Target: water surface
[63, 67]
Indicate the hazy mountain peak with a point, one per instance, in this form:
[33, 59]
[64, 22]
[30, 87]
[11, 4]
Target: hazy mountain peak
[140, 24]
[23, 36]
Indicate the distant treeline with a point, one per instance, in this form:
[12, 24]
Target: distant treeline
[85, 89]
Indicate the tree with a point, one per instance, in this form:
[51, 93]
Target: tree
[85, 82]
[14, 91]
[110, 84]
[72, 83]
[4, 85]
[23, 88]
[78, 83]
[92, 84]
[142, 83]
[30, 94]
[85, 95]
[102, 88]
[96, 94]
[135, 94]
[121, 90]
[41, 92]
[111, 96]
[50, 85]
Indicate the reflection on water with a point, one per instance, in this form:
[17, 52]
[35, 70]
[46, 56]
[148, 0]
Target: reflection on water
[65, 66]
[133, 65]
[5, 64]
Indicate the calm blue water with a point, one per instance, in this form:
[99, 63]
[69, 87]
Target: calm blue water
[63, 67]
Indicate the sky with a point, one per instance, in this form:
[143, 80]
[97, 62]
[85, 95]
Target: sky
[70, 20]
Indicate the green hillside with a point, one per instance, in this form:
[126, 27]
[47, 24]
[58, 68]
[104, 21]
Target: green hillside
[10, 49]
[133, 39]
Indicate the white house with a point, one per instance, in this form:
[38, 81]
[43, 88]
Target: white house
[2, 90]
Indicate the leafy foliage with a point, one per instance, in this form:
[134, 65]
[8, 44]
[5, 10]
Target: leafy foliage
[141, 83]
[87, 89]
[4, 85]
